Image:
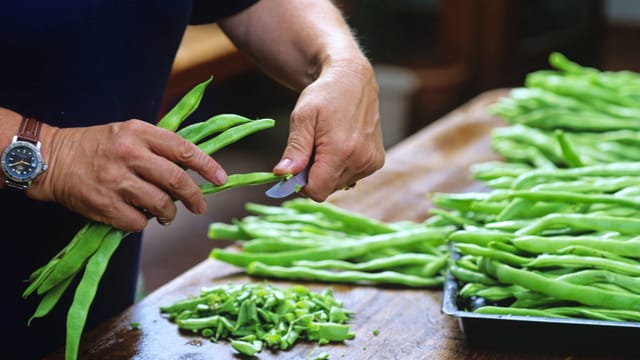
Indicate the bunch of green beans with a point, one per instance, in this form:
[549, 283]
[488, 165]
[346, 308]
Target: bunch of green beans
[306, 240]
[91, 248]
[597, 111]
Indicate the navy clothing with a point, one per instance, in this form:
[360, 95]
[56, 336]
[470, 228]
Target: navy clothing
[76, 63]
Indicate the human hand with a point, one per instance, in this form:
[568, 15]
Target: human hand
[110, 173]
[337, 116]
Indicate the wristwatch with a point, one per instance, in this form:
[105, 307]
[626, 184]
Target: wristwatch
[22, 160]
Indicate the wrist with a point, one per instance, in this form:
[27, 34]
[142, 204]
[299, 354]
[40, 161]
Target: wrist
[40, 186]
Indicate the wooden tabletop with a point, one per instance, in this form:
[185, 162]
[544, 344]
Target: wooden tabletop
[410, 322]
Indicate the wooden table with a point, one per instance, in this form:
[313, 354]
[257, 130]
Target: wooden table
[410, 322]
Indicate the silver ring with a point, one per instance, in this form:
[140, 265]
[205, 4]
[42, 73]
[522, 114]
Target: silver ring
[349, 186]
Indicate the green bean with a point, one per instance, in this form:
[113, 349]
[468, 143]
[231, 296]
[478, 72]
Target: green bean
[353, 220]
[504, 310]
[540, 244]
[597, 313]
[471, 249]
[453, 218]
[470, 276]
[582, 222]
[521, 134]
[234, 134]
[50, 299]
[86, 291]
[586, 277]
[560, 289]
[224, 231]
[508, 225]
[590, 185]
[566, 196]
[515, 151]
[247, 348]
[588, 251]
[239, 180]
[432, 268]
[534, 177]
[347, 276]
[189, 102]
[570, 156]
[37, 277]
[338, 252]
[272, 245]
[503, 182]
[375, 264]
[491, 293]
[261, 228]
[496, 169]
[73, 260]
[574, 261]
[318, 221]
[260, 209]
[575, 120]
[480, 237]
[221, 122]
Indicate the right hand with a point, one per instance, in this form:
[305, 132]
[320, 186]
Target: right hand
[115, 173]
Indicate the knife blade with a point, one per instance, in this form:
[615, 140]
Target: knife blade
[284, 188]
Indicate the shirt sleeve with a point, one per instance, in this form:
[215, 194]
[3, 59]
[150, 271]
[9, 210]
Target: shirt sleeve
[209, 11]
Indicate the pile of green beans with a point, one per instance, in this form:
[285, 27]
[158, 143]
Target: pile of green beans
[259, 315]
[597, 111]
[556, 243]
[91, 248]
[306, 240]
[555, 233]
[546, 241]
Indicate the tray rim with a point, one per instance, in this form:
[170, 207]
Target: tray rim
[450, 308]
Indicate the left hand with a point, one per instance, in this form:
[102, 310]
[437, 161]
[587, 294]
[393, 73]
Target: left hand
[336, 116]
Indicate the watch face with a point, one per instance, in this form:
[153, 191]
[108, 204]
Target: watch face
[21, 161]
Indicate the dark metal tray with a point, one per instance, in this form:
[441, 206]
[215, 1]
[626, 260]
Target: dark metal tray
[540, 334]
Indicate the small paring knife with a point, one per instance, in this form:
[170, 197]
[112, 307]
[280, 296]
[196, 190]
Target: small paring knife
[290, 186]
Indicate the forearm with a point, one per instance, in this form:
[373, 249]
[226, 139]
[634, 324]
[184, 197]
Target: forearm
[294, 41]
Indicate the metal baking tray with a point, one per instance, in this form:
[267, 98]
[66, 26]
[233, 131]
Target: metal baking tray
[540, 334]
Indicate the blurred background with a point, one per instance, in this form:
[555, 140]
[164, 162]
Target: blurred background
[430, 57]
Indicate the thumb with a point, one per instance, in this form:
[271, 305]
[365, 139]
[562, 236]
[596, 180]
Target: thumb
[299, 148]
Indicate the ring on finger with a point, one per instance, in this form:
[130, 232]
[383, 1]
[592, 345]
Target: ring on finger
[349, 186]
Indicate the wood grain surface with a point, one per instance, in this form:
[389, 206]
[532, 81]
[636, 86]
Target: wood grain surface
[410, 322]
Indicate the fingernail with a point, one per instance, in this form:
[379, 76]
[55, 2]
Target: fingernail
[284, 165]
[220, 177]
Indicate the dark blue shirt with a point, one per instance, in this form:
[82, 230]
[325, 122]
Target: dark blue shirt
[77, 63]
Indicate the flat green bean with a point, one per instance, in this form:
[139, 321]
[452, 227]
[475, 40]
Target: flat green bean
[86, 291]
[221, 122]
[234, 134]
[561, 289]
[189, 102]
[347, 276]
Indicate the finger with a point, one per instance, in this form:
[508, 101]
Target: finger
[324, 177]
[149, 199]
[173, 180]
[186, 154]
[121, 215]
[300, 143]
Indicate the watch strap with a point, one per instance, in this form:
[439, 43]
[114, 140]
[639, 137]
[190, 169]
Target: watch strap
[29, 130]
